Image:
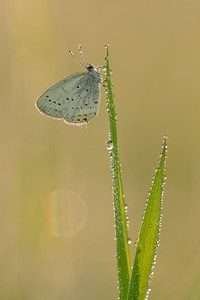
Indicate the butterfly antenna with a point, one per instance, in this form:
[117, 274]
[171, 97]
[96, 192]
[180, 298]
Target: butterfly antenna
[81, 54]
[82, 64]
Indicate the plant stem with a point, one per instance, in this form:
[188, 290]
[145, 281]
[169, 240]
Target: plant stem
[123, 253]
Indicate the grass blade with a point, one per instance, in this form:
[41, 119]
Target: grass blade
[148, 239]
[123, 254]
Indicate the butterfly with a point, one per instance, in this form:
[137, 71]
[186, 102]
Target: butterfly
[75, 99]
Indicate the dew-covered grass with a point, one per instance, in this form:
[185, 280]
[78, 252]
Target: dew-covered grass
[133, 281]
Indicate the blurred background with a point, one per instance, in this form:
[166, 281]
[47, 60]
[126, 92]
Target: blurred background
[57, 232]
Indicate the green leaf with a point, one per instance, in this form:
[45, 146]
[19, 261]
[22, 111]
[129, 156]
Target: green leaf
[148, 239]
[123, 254]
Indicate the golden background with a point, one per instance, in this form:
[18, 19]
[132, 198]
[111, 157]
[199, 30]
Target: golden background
[57, 234]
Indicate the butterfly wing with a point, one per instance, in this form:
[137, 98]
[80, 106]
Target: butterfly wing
[74, 99]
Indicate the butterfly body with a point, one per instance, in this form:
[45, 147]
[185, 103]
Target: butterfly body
[75, 99]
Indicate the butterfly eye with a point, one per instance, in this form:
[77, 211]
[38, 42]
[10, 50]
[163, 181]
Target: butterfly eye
[90, 68]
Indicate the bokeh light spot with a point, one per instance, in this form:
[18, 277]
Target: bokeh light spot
[66, 213]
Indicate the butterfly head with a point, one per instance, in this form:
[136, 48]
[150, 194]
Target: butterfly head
[91, 68]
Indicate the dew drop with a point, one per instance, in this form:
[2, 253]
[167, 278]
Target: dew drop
[109, 145]
[125, 206]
